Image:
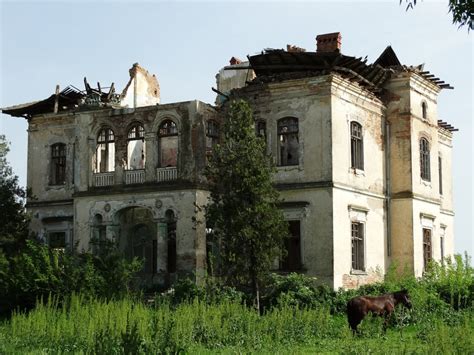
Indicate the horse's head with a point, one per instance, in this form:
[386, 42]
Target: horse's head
[404, 298]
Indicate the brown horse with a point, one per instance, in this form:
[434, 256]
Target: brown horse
[358, 307]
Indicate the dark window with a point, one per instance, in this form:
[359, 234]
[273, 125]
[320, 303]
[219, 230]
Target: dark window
[427, 250]
[136, 147]
[57, 240]
[357, 147]
[105, 152]
[424, 110]
[441, 241]
[292, 259]
[58, 164]
[440, 175]
[261, 129]
[168, 144]
[357, 236]
[425, 159]
[171, 228]
[212, 135]
[288, 141]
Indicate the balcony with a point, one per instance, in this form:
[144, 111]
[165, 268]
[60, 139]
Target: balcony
[104, 179]
[166, 174]
[134, 176]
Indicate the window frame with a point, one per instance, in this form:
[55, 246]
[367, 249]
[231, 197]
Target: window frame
[427, 246]
[357, 146]
[109, 138]
[134, 133]
[424, 110]
[58, 164]
[285, 265]
[358, 238]
[164, 132]
[212, 134]
[282, 134]
[425, 160]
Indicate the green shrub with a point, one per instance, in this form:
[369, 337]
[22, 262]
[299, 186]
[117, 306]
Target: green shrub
[38, 272]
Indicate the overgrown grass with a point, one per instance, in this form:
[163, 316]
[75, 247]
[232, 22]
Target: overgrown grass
[129, 326]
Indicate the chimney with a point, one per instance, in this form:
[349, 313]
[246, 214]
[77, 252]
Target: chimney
[234, 61]
[329, 42]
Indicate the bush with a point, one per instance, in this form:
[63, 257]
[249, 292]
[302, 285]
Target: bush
[38, 272]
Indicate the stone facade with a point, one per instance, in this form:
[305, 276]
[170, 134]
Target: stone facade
[359, 189]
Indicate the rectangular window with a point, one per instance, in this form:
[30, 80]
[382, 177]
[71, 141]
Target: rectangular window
[440, 173]
[427, 250]
[57, 240]
[357, 147]
[292, 259]
[58, 164]
[357, 236]
[441, 242]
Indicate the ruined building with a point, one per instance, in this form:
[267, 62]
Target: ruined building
[363, 164]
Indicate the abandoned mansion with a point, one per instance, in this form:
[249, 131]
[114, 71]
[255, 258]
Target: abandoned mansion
[363, 164]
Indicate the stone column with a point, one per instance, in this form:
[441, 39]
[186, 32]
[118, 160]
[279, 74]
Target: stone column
[162, 246]
[151, 151]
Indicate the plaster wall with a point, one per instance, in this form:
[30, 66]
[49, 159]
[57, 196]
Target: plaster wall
[349, 104]
[313, 208]
[349, 206]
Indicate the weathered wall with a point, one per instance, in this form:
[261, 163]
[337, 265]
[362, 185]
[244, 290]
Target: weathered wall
[349, 206]
[141, 90]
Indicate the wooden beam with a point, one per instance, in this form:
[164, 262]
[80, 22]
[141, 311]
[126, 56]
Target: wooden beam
[56, 100]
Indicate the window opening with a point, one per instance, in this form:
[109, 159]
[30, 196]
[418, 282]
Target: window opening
[136, 148]
[57, 240]
[427, 250]
[288, 141]
[292, 245]
[58, 164]
[357, 236]
[212, 135]
[424, 110]
[168, 144]
[357, 146]
[105, 151]
[440, 175]
[425, 159]
[171, 227]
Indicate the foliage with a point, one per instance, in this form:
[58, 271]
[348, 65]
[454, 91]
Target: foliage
[13, 218]
[84, 325]
[462, 10]
[243, 213]
[38, 272]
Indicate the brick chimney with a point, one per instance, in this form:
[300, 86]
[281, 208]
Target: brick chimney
[329, 42]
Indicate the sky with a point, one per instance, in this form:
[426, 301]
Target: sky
[185, 43]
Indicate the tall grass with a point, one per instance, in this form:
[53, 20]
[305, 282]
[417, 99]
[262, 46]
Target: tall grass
[128, 326]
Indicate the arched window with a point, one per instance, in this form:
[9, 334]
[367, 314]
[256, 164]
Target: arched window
[58, 164]
[212, 134]
[105, 151]
[136, 147]
[171, 227]
[288, 141]
[425, 159]
[424, 108]
[357, 146]
[168, 144]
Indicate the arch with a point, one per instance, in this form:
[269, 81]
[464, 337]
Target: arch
[425, 172]
[168, 144]
[357, 146]
[288, 141]
[58, 164]
[105, 151]
[136, 152]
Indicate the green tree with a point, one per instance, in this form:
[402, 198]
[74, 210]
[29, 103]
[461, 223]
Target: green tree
[462, 10]
[13, 217]
[247, 224]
